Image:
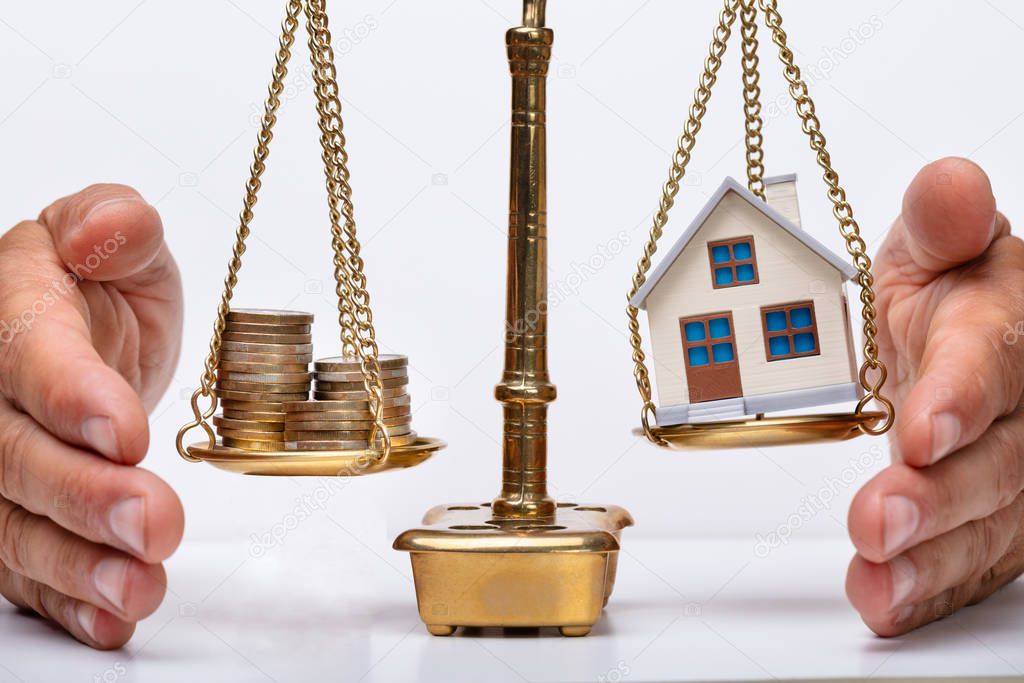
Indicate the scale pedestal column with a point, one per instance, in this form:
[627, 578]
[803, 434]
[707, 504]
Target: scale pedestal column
[522, 560]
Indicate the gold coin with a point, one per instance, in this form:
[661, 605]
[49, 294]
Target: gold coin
[340, 436]
[358, 394]
[275, 359]
[262, 368]
[345, 445]
[301, 418]
[259, 328]
[247, 425]
[261, 387]
[269, 317]
[247, 338]
[246, 445]
[329, 406]
[346, 415]
[326, 431]
[268, 437]
[267, 378]
[249, 397]
[358, 376]
[253, 406]
[254, 416]
[354, 364]
[393, 383]
[280, 349]
[365, 405]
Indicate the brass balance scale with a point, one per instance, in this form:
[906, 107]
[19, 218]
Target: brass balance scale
[523, 560]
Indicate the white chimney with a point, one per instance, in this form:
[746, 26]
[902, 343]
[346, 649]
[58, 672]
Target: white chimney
[781, 194]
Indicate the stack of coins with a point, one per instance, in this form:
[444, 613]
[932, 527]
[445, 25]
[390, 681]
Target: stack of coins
[339, 417]
[264, 365]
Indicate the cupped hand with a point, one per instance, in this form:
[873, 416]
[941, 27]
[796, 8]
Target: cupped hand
[943, 526]
[90, 331]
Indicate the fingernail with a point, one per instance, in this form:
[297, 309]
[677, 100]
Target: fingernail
[87, 619]
[127, 521]
[945, 435]
[109, 578]
[98, 432]
[901, 520]
[904, 578]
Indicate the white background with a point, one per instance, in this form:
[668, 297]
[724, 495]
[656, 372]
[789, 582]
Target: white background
[166, 95]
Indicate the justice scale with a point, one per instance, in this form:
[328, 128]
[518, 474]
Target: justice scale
[523, 559]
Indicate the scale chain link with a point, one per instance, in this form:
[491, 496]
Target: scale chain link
[752, 99]
[353, 297]
[843, 212]
[680, 160]
[252, 187]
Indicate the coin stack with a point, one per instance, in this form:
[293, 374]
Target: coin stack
[339, 417]
[264, 365]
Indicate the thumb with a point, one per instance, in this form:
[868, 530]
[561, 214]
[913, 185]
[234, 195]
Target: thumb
[104, 232]
[949, 214]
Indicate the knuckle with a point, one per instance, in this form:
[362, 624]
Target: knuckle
[983, 542]
[16, 439]
[78, 490]
[14, 535]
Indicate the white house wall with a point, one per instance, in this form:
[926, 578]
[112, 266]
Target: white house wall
[788, 272]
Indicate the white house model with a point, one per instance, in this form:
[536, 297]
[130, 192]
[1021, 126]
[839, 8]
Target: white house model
[748, 313]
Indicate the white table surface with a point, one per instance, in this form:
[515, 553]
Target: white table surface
[341, 608]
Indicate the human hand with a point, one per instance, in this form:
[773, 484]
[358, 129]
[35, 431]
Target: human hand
[82, 530]
[943, 526]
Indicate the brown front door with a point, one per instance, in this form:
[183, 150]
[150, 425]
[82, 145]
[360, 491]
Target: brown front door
[709, 351]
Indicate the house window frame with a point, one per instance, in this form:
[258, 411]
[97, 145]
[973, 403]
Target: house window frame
[733, 263]
[789, 332]
[708, 340]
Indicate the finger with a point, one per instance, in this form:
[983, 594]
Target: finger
[970, 373]
[48, 362]
[95, 627]
[948, 218]
[888, 595]
[38, 549]
[903, 506]
[105, 232]
[117, 505]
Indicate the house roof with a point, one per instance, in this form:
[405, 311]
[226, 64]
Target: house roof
[639, 300]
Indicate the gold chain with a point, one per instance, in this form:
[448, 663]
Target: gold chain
[752, 99]
[847, 223]
[252, 188]
[680, 160]
[355, 317]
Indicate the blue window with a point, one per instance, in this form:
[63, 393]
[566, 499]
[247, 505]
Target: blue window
[775, 321]
[790, 331]
[723, 353]
[695, 332]
[708, 340]
[733, 262]
[779, 346]
[719, 328]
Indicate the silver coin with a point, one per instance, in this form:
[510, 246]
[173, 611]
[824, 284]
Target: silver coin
[259, 328]
[342, 395]
[226, 366]
[267, 358]
[266, 378]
